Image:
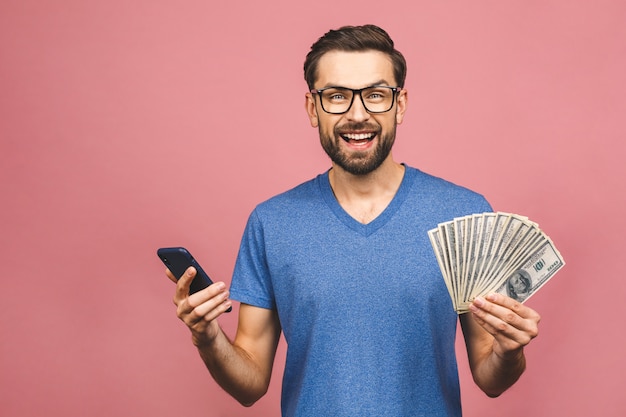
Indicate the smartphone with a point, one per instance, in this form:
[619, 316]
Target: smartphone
[177, 260]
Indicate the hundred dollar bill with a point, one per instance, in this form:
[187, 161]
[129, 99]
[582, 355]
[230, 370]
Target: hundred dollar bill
[536, 270]
[528, 237]
[518, 258]
[474, 230]
[447, 230]
[462, 228]
[493, 252]
[499, 223]
[509, 239]
[435, 241]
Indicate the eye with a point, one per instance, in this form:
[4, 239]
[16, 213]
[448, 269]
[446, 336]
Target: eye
[335, 95]
[376, 95]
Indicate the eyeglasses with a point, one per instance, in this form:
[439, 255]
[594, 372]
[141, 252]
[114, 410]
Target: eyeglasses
[375, 99]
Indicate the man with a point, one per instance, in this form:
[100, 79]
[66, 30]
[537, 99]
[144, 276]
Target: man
[342, 265]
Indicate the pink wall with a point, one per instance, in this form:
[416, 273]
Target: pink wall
[129, 125]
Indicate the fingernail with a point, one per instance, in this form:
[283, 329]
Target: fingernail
[492, 297]
[479, 301]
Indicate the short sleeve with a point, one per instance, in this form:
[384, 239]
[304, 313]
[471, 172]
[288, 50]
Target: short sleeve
[251, 282]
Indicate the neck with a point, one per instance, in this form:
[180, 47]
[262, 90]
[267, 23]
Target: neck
[364, 197]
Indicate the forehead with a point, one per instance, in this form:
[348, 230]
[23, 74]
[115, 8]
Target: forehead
[354, 69]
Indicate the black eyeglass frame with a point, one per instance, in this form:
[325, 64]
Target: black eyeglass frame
[395, 91]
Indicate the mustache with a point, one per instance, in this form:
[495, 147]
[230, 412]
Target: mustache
[360, 126]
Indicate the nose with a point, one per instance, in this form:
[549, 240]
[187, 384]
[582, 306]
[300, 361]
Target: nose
[357, 111]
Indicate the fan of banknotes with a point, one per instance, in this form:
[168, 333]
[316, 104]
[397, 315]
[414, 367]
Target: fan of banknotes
[493, 252]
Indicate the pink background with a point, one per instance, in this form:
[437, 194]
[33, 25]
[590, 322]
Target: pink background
[129, 125]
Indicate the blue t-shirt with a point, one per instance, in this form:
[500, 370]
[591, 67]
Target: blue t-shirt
[365, 312]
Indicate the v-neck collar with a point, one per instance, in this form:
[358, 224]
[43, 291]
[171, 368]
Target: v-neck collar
[381, 219]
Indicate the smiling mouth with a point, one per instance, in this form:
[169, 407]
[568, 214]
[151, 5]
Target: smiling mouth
[357, 138]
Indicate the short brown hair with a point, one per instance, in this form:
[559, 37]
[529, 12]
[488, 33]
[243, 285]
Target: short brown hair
[354, 39]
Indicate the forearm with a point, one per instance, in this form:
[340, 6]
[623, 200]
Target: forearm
[234, 369]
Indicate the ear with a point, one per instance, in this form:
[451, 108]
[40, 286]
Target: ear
[311, 109]
[401, 100]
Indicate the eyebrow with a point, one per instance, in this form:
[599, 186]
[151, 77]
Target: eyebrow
[378, 83]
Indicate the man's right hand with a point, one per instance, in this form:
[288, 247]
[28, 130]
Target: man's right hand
[242, 367]
[199, 311]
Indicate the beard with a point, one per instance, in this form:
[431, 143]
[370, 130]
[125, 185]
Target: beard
[358, 163]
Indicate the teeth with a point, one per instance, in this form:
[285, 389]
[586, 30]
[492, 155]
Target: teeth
[358, 136]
